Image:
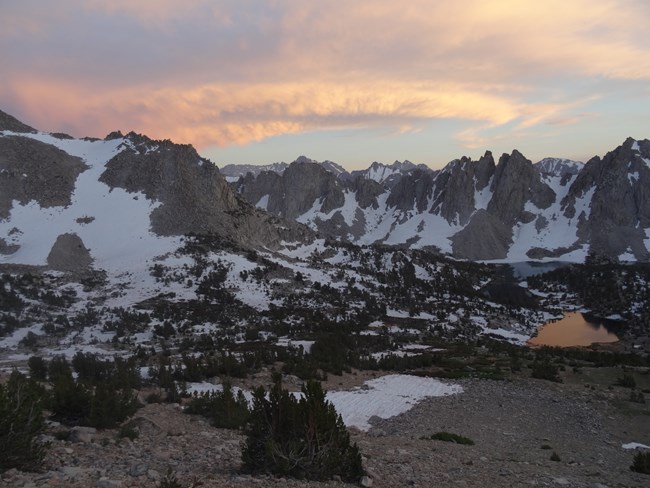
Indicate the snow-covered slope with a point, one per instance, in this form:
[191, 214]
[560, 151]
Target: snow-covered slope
[112, 223]
[117, 203]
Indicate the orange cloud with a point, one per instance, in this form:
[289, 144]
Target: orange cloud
[305, 66]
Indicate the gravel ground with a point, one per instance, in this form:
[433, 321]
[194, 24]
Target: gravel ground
[508, 421]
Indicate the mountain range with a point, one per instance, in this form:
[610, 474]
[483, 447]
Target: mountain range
[115, 201]
[508, 210]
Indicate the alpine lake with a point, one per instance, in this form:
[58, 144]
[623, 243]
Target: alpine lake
[575, 329]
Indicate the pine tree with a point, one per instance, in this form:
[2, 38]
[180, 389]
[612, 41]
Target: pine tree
[303, 438]
[21, 422]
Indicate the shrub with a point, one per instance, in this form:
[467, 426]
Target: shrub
[303, 438]
[69, 401]
[449, 437]
[103, 406]
[128, 430]
[544, 370]
[21, 422]
[37, 368]
[109, 406]
[169, 480]
[555, 457]
[627, 381]
[641, 462]
[224, 408]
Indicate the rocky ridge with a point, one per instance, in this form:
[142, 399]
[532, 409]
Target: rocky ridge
[553, 209]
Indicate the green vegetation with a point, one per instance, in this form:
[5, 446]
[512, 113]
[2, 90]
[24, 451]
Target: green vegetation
[21, 423]
[626, 381]
[303, 438]
[544, 370]
[641, 462]
[224, 408]
[169, 480]
[101, 397]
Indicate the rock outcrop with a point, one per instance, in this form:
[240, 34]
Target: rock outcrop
[194, 197]
[69, 254]
[620, 201]
[485, 237]
[10, 123]
[515, 183]
[31, 170]
[456, 186]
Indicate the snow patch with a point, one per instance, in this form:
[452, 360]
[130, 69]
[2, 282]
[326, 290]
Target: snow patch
[263, 202]
[386, 397]
[635, 445]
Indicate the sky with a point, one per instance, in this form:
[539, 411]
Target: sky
[261, 81]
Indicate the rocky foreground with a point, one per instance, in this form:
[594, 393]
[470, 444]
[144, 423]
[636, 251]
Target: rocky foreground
[516, 427]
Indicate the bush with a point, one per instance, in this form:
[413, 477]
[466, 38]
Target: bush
[641, 462]
[37, 368]
[103, 406]
[222, 407]
[303, 438]
[21, 422]
[69, 401]
[449, 437]
[626, 381]
[544, 370]
[128, 430]
[555, 457]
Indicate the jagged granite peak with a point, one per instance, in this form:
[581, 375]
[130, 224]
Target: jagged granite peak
[619, 209]
[366, 192]
[412, 191]
[303, 185]
[257, 189]
[12, 124]
[515, 183]
[558, 167]
[239, 170]
[194, 197]
[457, 184]
[32, 170]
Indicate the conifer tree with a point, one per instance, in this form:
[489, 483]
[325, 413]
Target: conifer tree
[303, 438]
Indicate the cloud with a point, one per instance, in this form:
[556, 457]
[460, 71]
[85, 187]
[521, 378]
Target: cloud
[231, 72]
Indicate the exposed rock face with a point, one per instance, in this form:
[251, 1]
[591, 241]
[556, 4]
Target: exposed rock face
[295, 191]
[6, 248]
[69, 254]
[620, 204]
[239, 170]
[412, 191]
[194, 197]
[485, 237]
[456, 185]
[515, 183]
[366, 192]
[254, 188]
[7, 122]
[31, 170]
